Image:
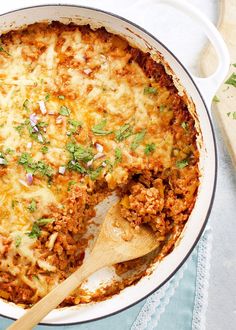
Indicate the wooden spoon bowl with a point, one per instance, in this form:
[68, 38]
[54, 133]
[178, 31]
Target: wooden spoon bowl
[117, 241]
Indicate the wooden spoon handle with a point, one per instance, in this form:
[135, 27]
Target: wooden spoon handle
[33, 316]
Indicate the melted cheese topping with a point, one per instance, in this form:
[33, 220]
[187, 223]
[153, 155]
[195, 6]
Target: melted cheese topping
[62, 89]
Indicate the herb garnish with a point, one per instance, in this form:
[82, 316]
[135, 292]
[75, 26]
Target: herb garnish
[47, 97]
[35, 167]
[150, 148]
[137, 139]
[182, 163]
[95, 173]
[124, 132]
[18, 239]
[36, 230]
[184, 125]
[3, 50]
[74, 124]
[79, 152]
[32, 206]
[70, 184]
[99, 128]
[26, 104]
[231, 80]
[64, 111]
[118, 156]
[149, 90]
[216, 99]
[44, 149]
[162, 107]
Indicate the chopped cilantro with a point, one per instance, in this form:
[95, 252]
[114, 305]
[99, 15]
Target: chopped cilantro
[181, 163]
[149, 148]
[36, 230]
[216, 99]
[44, 149]
[76, 166]
[231, 80]
[234, 115]
[20, 128]
[32, 206]
[99, 128]
[118, 156]
[3, 50]
[124, 132]
[42, 124]
[61, 97]
[149, 90]
[18, 239]
[70, 184]
[234, 64]
[228, 114]
[64, 111]
[138, 139]
[79, 152]
[162, 107]
[47, 97]
[184, 125]
[25, 159]
[35, 167]
[9, 151]
[26, 104]
[74, 124]
[13, 203]
[95, 173]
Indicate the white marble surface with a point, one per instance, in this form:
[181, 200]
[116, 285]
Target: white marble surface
[186, 41]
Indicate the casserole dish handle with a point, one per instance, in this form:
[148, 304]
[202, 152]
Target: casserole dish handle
[209, 85]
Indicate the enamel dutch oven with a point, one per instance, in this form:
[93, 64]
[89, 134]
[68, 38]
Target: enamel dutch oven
[200, 90]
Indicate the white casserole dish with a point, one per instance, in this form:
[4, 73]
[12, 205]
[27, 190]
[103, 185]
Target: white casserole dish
[199, 90]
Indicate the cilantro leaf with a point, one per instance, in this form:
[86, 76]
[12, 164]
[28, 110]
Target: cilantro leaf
[18, 239]
[149, 90]
[150, 147]
[124, 132]
[138, 139]
[231, 80]
[64, 111]
[182, 163]
[32, 206]
[118, 156]
[99, 128]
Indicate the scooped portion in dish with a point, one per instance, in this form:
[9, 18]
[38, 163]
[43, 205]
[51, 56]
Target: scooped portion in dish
[84, 115]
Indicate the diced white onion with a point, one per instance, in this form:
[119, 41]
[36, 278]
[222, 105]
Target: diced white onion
[29, 145]
[99, 147]
[3, 161]
[89, 163]
[40, 138]
[87, 71]
[59, 120]
[23, 183]
[62, 170]
[98, 155]
[29, 178]
[42, 107]
[33, 119]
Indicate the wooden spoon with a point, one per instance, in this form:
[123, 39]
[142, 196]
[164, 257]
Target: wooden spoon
[116, 242]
